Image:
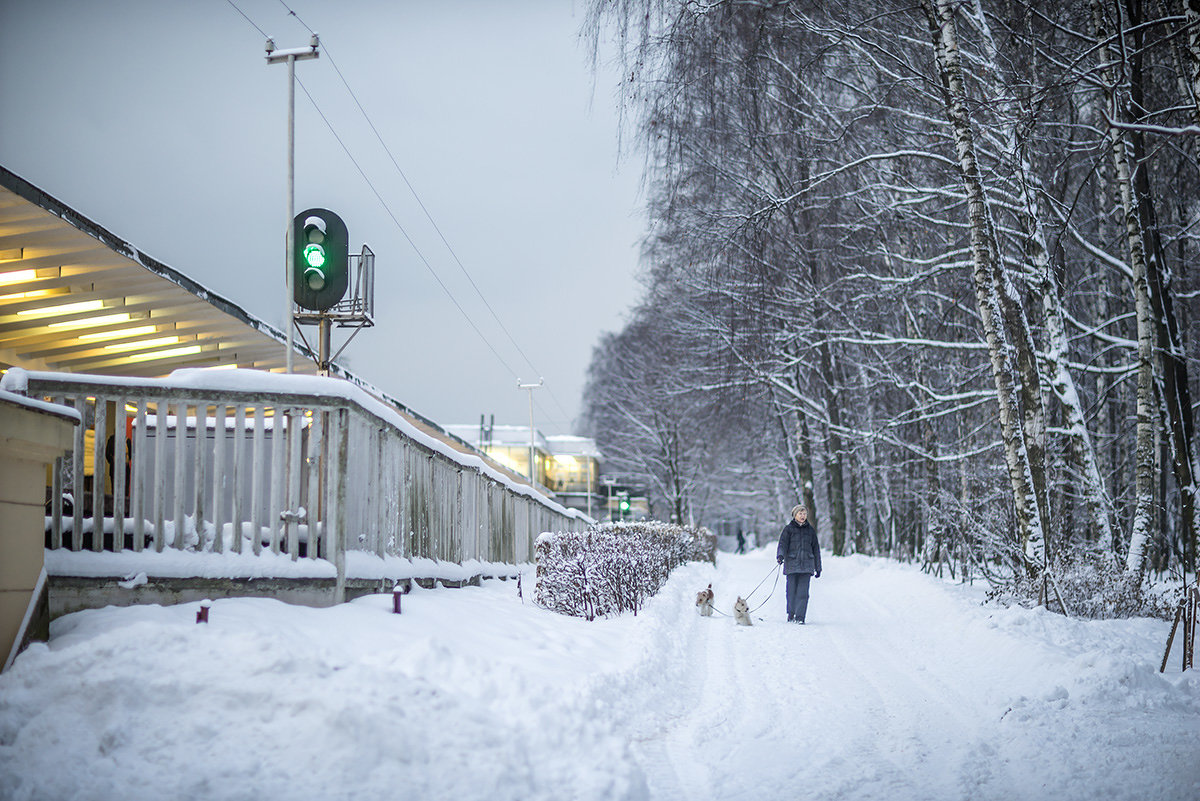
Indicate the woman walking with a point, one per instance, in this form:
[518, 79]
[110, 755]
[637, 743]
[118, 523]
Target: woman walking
[800, 554]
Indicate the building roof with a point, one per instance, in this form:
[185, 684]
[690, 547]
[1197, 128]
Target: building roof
[501, 435]
[571, 445]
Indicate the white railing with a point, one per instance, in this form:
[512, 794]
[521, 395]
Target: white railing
[310, 467]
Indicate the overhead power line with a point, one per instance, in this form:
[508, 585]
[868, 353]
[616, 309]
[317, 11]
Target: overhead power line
[424, 209]
[407, 238]
[395, 220]
[400, 227]
[238, 10]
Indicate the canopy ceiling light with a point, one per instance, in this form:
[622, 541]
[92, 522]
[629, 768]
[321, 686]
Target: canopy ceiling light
[62, 308]
[119, 333]
[94, 322]
[17, 276]
[164, 354]
[144, 344]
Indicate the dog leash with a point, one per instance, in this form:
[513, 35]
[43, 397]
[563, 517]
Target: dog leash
[777, 571]
[774, 571]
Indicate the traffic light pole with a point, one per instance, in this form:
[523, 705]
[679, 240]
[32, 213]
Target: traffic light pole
[291, 57]
[323, 330]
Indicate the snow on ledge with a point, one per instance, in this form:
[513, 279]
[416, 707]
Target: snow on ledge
[172, 563]
[363, 565]
[14, 397]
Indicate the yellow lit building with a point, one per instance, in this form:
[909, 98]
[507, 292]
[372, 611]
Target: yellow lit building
[509, 446]
[568, 466]
[575, 473]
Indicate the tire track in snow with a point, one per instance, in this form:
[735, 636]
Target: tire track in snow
[734, 716]
[674, 758]
[844, 707]
[922, 720]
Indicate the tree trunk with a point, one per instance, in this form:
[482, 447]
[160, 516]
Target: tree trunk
[1037, 255]
[1191, 52]
[1135, 560]
[992, 299]
[833, 454]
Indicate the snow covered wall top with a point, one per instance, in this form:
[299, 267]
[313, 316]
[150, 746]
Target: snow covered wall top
[256, 382]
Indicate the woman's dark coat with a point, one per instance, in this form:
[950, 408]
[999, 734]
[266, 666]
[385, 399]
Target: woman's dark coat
[799, 549]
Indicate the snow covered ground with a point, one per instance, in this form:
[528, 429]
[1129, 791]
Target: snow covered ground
[900, 687]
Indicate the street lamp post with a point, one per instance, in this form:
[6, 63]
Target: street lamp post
[531, 388]
[290, 57]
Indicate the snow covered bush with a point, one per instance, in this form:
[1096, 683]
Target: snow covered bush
[613, 567]
[1091, 584]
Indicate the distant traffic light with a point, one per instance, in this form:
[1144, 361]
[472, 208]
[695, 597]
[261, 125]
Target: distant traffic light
[320, 259]
[623, 504]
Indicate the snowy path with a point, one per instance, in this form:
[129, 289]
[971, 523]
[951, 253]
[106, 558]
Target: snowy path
[850, 691]
[886, 694]
[901, 687]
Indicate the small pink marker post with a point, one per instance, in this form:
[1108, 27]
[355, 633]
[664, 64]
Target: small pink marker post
[202, 612]
[397, 592]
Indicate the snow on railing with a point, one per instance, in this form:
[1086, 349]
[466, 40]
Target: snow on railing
[242, 461]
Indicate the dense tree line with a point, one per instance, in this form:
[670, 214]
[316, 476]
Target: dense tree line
[929, 266]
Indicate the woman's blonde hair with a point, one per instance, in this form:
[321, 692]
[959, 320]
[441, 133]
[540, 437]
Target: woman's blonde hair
[796, 509]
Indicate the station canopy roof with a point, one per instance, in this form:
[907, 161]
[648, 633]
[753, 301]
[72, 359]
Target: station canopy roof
[75, 298]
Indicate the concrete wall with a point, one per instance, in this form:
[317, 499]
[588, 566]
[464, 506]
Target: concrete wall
[31, 437]
[69, 594]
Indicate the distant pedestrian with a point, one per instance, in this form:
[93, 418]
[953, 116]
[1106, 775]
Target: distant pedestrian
[741, 542]
[800, 554]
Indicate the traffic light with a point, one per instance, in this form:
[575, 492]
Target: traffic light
[623, 504]
[320, 259]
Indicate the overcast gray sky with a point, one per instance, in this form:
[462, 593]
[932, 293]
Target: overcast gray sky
[160, 120]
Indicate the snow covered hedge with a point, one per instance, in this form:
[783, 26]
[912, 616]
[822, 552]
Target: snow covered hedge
[613, 567]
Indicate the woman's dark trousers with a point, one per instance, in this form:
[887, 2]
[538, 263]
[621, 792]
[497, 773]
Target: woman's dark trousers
[797, 595]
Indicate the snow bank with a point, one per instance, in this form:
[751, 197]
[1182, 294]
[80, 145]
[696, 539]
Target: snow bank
[363, 565]
[899, 687]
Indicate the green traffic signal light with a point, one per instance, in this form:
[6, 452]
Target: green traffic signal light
[314, 255]
[321, 259]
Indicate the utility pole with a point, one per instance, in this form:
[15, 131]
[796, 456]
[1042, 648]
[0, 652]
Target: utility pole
[531, 388]
[290, 57]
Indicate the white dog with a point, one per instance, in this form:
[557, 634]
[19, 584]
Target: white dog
[704, 601]
[741, 612]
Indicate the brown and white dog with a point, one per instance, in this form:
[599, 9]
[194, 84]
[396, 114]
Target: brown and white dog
[704, 601]
[741, 612]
